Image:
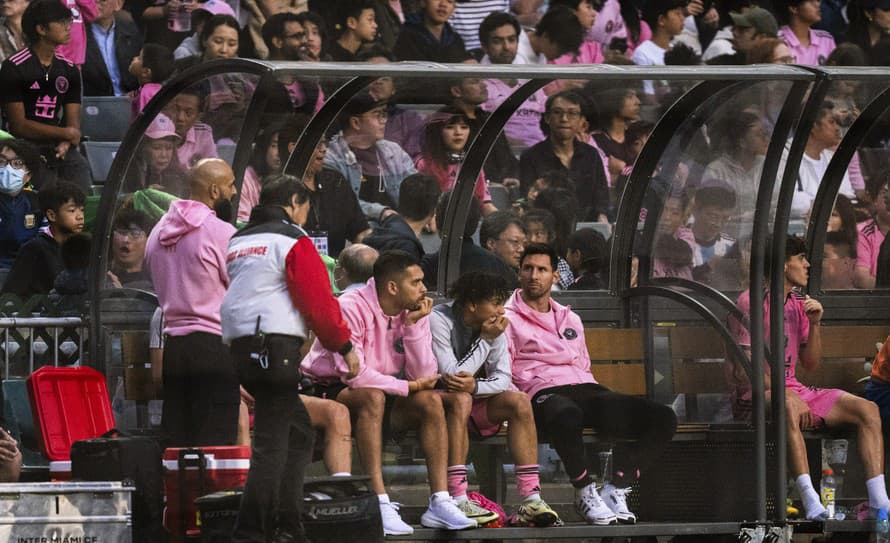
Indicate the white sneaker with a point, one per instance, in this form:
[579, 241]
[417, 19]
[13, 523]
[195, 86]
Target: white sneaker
[444, 514]
[592, 508]
[392, 521]
[616, 500]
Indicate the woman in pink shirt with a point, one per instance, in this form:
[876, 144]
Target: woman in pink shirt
[82, 10]
[265, 160]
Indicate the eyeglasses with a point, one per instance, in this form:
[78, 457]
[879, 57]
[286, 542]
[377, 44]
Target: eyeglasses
[571, 114]
[16, 163]
[513, 242]
[132, 233]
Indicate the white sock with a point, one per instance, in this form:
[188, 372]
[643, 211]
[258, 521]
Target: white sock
[811, 503]
[459, 499]
[877, 493]
[530, 497]
[383, 498]
[341, 474]
[442, 495]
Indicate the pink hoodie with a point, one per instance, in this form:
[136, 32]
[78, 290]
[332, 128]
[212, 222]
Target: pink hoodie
[185, 256]
[84, 11]
[548, 349]
[389, 351]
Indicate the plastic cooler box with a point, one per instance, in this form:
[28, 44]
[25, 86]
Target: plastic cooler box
[192, 473]
[68, 404]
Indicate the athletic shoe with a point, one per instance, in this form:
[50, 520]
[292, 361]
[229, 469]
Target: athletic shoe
[473, 510]
[616, 500]
[444, 514]
[392, 521]
[591, 507]
[535, 513]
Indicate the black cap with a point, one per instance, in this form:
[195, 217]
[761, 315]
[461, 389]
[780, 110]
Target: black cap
[363, 103]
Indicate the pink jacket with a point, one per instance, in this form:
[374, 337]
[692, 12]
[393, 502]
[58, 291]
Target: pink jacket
[548, 349]
[389, 351]
[185, 256]
[84, 11]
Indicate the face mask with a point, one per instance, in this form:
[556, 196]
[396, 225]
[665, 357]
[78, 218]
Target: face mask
[224, 209]
[11, 180]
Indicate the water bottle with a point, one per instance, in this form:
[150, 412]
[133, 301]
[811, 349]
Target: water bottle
[827, 491]
[882, 527]
[181, 19]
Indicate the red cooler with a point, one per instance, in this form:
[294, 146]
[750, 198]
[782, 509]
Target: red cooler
[192, 473]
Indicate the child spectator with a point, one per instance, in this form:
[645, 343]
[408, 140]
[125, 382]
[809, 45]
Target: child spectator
[428, 36]
[619, 29]
[151, 68]
[70, 286]
[587, 255]
[809, 47]
[665, 17]
[540, 227]
[156, 164]
[39, 261]
[131, 229]
[713, 207]
[559, 32]
[20, 214]
[357, 25]
[672, 253]
[618, 108]
[563, 205]
[553, 179]
[590, 51]
[445, 139]
[871, 235]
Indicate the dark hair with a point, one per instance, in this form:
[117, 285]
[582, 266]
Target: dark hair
[274, 26]
[197, 90]
[847, 213]
[540, 216]
[783, 9]
[681, 54]
[433, 142]
[159, 60]
[477, 286]
[794, 245]
[495, 20]
[261, 146]
[58, 194]
[42, 13]
[494, 224]
[392, 264]
[826, 108]
[631, 16]
[563, 28]
[474, 214]
[721, 197]
[637, 130]
[76, 251]
[840, 239]
[128, 216]
[541, 249]
[847, 54]
[279, 188]
[26, 151]
[729, 129]
[609, 103]
[593, 246]
[214, 22]
[653, 9]
[290, 132]
[317, 20]
[571, 4]
[571, 96]
[350, 8]
[563, 203]
[374, 51]
[418, 196]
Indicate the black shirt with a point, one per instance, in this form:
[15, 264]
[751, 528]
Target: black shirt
[586, 170]
[415, 42]
[882, 274]
[335, 210]
[44, 91]
[472, 258]
[35, 269]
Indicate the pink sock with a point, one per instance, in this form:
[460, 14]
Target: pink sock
[527, 481]
[457, 481]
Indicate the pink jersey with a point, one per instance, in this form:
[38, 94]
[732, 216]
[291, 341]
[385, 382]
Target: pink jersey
[198, 144]
[524, 127]
[610, 24]
[448, 177]
[83, 11]
[143, 96]
[821, 45]
[868, 245]
[390, 352]
[249, 195]
[590, 52]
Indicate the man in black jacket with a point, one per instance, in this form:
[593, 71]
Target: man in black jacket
[418, 196]
[112, 42]
[428, 36]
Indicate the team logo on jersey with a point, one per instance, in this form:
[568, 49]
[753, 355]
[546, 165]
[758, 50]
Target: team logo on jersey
[821, 60]
[62, 84]
[399, 346]
[570, 333]
[35, 86]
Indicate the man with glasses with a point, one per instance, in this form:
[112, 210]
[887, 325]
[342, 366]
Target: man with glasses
[20, 214]
[131, 229]
[286, 39]
[373, 166]
[40, 92]
[502, 234]
[563, 152]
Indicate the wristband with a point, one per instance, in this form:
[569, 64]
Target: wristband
[344, 350]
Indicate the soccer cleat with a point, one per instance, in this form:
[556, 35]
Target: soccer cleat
[616, 500]
[392, 521]
[474, 511]
[592, 508]
[535, 513]
[443, 513]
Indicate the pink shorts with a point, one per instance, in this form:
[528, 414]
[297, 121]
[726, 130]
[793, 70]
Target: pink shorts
[479, 423]
[820, 400]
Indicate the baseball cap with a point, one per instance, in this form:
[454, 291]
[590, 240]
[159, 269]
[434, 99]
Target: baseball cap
[161, 127]
[757, 18]
[363, 103]
[217, 7]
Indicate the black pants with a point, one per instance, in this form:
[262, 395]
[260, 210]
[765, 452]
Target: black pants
[72, 167]
[282, 441]
[562, 413]
[201, 396]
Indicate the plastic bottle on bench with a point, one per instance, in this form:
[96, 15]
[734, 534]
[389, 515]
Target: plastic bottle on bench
[828, 491]
[882, 527]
